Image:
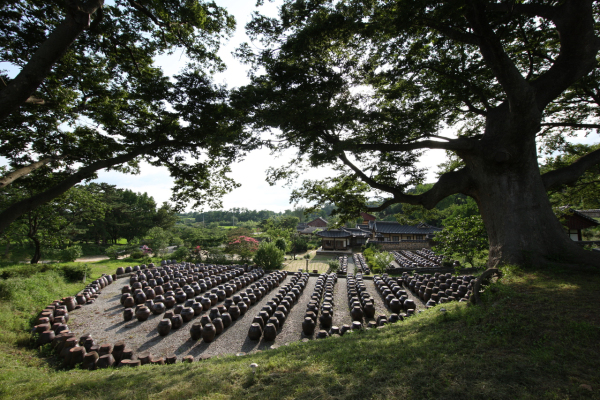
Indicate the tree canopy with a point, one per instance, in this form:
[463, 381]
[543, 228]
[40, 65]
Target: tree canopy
[367, 86]
[89, 96]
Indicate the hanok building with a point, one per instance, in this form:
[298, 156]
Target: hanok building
[318, 223]
[335, 239]
[576, 220]
[395, 236]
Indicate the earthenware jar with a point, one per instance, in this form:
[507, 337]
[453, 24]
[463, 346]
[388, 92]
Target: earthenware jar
[176, 321]
[270, 332]
[208, 333]
[326, 320]
[308, 326]
[369, 309]
[214, 313]
[164, 327]
[187, 314]
[226, 318]
[158, 308]
[218, 324]
[105, 361]
[280, 316]
[128, 314]
[142, 313]
[89, 360]
[234, 311]
[255, 331]
[196, 331]
[356, 314]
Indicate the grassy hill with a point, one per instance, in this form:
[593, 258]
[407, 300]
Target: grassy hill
[536, 336]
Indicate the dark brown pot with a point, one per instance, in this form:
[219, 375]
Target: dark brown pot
[395, 306]
[234, 311]
[142, 313]
[226, 318]
[308, 326]
[158, 308]
[369, 309]
[214, 313]
[270, 332]
[206, 303]
[128, 314]
[105, 361]
[208, 333]
[280, 317]
[164, 327]
[187, 314]
[176, 321]
[89, 360]
[218, 324]
[357, 314]
[76, 356]
[255, 331]
[326, 320]
[196, 331]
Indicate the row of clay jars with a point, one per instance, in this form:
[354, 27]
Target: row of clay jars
[263, 325]
[361, 263]
[218, 320]
[189, 312]
[141, 297]
[363, 297]
[312, 308]
[393, 295]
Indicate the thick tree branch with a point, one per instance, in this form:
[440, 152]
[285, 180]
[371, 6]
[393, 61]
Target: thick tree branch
[570, 125]
[35, 71]
[517, 89]
[10, 214]
[453, 34]
[13, 176]
[569, 175]
[578, 48]
[451, 144]
[533, 10]
[449, 183]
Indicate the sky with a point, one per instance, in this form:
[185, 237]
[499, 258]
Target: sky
[254, 193]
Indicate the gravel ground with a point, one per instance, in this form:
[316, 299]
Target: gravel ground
[104, 321]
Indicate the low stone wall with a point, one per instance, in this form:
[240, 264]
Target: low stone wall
[403, 245]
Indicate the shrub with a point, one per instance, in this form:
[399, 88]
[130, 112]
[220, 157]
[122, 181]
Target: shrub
[113, 252]
[136, 254]
[182, 253]
[281, 244]
[70, 254]
[269, 256]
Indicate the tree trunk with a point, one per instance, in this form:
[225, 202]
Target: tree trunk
[521, 226]
[37, 252]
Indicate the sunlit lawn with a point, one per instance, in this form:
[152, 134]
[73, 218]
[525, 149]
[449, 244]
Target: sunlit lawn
[318, 263]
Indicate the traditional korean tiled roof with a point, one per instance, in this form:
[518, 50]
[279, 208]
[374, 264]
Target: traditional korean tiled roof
[394, 227]
[358, 232]
[595, 213]
[309, 229]
[334, 233]
[367, 217]
[570, 211]
[318, 222]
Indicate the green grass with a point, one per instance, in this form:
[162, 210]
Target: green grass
[316, 263]
[536, 336]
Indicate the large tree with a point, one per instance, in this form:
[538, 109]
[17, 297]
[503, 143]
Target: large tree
[367, 86]
[89, 95]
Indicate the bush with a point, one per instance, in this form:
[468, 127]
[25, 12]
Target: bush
[74, 273]
[136, 254]
[113, 252]
[269, 256]
[182, 253]
[281, 244]
[70, 253]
